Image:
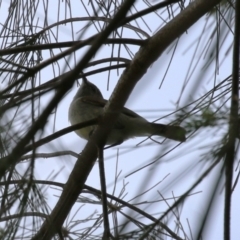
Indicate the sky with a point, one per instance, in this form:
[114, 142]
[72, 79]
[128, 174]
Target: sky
[174, 173]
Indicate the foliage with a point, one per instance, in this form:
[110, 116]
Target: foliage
[49, 46]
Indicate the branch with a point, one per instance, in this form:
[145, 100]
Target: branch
[152, 49]
[98, 193]
[233, 125]
[74, 185]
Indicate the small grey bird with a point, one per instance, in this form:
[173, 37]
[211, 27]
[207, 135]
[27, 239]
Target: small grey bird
[88, 104]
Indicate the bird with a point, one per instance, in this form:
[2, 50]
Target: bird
[88, 104]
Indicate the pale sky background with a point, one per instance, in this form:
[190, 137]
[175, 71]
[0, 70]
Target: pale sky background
[146, 97]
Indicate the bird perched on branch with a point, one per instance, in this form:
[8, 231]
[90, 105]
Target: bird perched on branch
[88, 103]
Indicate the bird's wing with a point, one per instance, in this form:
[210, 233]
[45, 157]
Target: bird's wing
[102, 102]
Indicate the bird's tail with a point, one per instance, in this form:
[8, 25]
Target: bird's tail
[176, 133]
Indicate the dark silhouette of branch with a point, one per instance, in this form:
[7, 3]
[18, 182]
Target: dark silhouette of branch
[98, 193]
[69, 195]
[233, 125]
[24, 84]
[82, 43]
[139, 65]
